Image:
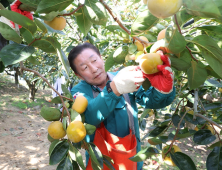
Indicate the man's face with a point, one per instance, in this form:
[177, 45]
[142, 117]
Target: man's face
[90, 67]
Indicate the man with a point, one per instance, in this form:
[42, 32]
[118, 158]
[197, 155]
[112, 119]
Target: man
[111, 95]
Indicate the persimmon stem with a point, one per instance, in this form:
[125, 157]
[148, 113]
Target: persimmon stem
[71, 13]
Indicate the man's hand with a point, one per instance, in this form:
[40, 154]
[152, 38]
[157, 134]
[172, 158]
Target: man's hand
[163, 80]
[128, 80]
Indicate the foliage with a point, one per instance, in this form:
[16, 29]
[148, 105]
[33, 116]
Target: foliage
[195, 52]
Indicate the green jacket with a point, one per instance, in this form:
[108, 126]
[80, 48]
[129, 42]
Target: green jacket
[110, 109]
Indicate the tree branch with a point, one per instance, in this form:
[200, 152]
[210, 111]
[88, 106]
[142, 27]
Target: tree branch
[44, 79]
[34, 41]
[68, 14]
[121, 24]
[9, 73]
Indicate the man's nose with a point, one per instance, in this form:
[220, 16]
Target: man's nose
[93, 69]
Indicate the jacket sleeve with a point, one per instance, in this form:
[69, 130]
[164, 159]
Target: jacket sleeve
[99, 108]
[153, 99]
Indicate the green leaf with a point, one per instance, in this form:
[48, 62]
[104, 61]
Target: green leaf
[144, 154]
[53, 145]
[212, 83]
[118, 30]
[56, 100]
[213, 106]
[154, 141]
[33, 60]
[214, 159]
[78, 156]
[50, 16]
[176, 119]
[210, 51]
[65, 164]
[19, 19]
[189, 118]
[50, 139]
[196, 75]
[64, 60]
[109, 62]
[41, 25]
[44, 45]
[83, 22]
[183, 62]
[95, 155]
[64, 123]
[95, 12]
[184, 133]
[176, 42]
[66, 91]
[107, 162]
[75, 165]
[90, 129]
[204, 8]
[157, 131]
[14, 53]
[215, 144]
[183, 161]
[2, 67]
[144, 21]
[9, 34]
[132, 48]
[31, 3]
[203, 137]
[50, 114]
[51, 30]
[26, 35]
[120, 54]
[59, 153]
[46, 6]
[146, 84]
[75, 115]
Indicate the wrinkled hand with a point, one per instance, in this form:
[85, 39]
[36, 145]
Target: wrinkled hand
[129, 79]
[15, 7]
[163, 80]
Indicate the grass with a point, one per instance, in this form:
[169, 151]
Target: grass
[25, 104]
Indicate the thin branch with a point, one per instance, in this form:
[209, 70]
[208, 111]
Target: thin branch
[191, 54]
[73, 29]
[9, 73]
[44, 79]
[178, 128]
[121, 24]
[195, 26]
[71, 13]
[216, 133]
[67, 98]
[199, 115]
[34, 41]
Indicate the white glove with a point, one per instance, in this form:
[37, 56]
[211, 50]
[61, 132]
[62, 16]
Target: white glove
[128, 80]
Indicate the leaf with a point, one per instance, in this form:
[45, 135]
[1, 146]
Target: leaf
[183, 62]
[26, 35]
[132, 48]
[214, 159]
[204, 8]
[118, 30]
[95, 155]
[33, 60]
[51, 30]
[144, 154]
[78, 156]
[157, 131]
[213, 106]
[46, 6]
[120, 54]
[65, 164]
[41, 25]
[176, 119]
[50, 139]
[75, 115]
[66, 91]
[109, 62]
[56, 100]
[75, 165]
[108, 163]
[154, 141]
[31, 3]
[64, 60]
[144, 21]
[176, 42]
[44, 45]
[14, 53]
[53, 145]
[9, 34]
[183, 161]
[189, 118]
[184, 133]
[210, 51]
[196, 75]
[2, 67]
[64, 123]
[59, 153]
[83, 22]
[20, 20]
[95, 12]
[50, 16]
[50, 114]
[215, 144]
[203, 137]
[213, 83]
[90, 129]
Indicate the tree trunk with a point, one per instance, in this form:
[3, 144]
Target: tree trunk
[32, 89]
[17, 73]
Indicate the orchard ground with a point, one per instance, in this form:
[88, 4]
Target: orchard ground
[24, 144]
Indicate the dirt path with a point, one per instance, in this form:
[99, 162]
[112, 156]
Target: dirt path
[24, 144]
